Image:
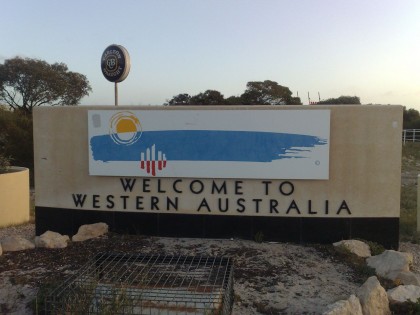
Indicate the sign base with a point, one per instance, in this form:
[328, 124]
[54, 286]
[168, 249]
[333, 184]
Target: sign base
[384, 231]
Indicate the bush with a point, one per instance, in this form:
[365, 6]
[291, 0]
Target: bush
[16, 138]
[4, 159]
[407, 308]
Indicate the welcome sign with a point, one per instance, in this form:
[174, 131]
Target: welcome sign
[254, 144]
[292, 173]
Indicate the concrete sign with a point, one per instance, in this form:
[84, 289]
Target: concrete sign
[288, 144]
[299, 174]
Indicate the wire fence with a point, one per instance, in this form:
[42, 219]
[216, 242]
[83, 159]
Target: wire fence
[411, 135]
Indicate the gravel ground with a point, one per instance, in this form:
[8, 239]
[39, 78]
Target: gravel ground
[25, 230]
[415, 250]
[270, 278]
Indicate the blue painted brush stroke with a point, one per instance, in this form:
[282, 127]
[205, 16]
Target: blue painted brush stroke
[207, 145]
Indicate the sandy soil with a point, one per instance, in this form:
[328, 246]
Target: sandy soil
[269, 278]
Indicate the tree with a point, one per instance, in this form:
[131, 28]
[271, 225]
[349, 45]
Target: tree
[256, 93]
[180, 99]
[268, 93]
[345, 100]
[26, 83]
[209, 97]
[411, 119]
[233, 100]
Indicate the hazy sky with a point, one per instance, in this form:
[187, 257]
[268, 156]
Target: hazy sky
[370, 49]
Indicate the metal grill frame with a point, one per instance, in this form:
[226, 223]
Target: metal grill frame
[115, 283]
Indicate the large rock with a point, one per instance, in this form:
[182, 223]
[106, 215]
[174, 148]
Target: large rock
[345, 307]
[404, 293]
[373, 298]
[390, 263]
[408, 277]
[356, 247]
[89, 231]
[51, 240]
[15, 243]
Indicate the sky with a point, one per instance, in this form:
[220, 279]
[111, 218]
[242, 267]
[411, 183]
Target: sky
[369, 49]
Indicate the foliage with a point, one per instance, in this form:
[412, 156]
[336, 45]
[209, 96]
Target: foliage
[4, 159]
[257, 93]
[233, 100]
[411, 119]
[407, 308]
[180, 99]
[344, 100]
[375, 248]
[408, 215]
[411, 157]
[16, 127]
[26, 83]
[209, 97]
[268, 93]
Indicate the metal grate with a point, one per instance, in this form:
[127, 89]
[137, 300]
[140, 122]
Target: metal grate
[141, 284]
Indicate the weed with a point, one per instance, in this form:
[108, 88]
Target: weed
[84, 298]
[375, 248]
[38, 305]
[408, 214]
[259, 237]
[237, 298]
[407, 308]
[263, 308]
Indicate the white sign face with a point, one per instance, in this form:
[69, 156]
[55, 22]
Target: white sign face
[259, 144]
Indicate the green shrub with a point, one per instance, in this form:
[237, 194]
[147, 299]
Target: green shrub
[375, 248]
[407, 308]
[4, 159]
[17, 134]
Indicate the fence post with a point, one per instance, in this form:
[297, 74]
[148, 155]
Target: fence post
[410, 135]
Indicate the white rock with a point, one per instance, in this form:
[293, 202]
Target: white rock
[356, 247]
[15, 243]
[408, 277]
[390, 263]
[89, 231]
[51, 240]
[404, 293]
[345, 307]
[373, 298]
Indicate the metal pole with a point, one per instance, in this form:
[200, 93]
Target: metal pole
[116, 94]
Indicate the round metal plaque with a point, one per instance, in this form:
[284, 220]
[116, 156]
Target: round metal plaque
[115, 63]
